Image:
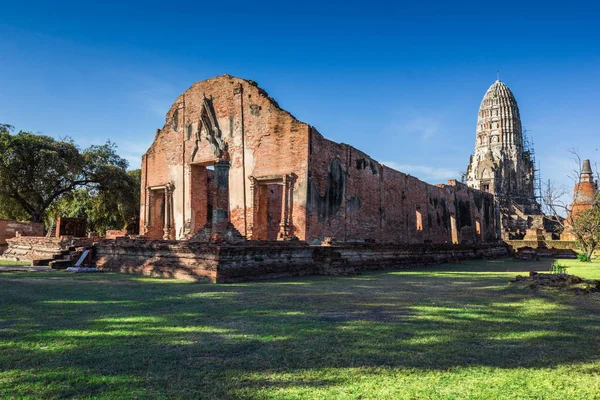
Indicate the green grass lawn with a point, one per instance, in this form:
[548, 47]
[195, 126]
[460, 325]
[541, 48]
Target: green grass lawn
[455, 331]
[6, 263]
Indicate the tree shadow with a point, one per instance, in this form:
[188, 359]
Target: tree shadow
[109, 334]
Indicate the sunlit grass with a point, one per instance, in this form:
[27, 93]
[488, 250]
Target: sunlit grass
[7, 263]
[456, 331]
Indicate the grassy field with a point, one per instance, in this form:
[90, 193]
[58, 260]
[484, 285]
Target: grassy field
[454, 331]
[6, 263]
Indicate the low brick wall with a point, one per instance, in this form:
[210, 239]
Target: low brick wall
[256, 260]
[113, 234]
[546, 248]
[40, 249]
[169, 259]
[9, 229]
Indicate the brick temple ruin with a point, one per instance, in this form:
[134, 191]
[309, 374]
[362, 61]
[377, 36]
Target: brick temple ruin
[502, 163]
[234, 187]
[229, 159]
[584, 197]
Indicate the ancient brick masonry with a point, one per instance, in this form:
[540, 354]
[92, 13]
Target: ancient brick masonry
[229, 158]
[502, 163]
[255, 260]
[9, 229]
[583, 198]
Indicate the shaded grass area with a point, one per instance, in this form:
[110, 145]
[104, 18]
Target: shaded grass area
[450, 331]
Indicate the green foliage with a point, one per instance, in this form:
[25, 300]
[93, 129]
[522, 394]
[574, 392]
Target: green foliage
[113, 207]
[582, 257]
[585, 226]
[36, 171]
[558, 269]
[11, 209]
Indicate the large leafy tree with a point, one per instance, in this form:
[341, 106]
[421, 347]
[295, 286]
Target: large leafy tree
[36, 170]
[117, 208]
[585, 227]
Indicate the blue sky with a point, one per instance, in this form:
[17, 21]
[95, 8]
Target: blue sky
[400, 81]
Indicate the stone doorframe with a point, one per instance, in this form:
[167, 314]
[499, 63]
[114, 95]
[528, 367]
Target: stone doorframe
[286, 230]
[168, 228]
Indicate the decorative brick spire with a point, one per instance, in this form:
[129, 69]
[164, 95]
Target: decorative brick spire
[500, 165]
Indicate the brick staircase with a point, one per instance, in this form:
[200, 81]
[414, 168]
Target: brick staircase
[43, 250]
[68, 258]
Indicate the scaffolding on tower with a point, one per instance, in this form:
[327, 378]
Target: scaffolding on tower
[537, 179]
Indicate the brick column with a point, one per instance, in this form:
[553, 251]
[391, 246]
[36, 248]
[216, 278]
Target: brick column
[220, 216]
[169, 230]
[146, 211]
[285, 231]
[251, 212]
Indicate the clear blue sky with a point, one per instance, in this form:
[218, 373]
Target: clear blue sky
[400, 81]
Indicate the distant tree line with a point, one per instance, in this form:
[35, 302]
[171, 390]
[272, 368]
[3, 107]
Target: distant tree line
[42, 178]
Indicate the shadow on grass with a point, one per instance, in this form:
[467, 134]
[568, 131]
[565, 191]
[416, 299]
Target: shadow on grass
[111, 335]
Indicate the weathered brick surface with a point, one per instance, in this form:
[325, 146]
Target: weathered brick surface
[352, 197]
[584, 198]
[9, 229]
[270, 259]
[337, 191]
[262, 140]
[168, 259]
[40, 248]
[115, 233]
[70, 227]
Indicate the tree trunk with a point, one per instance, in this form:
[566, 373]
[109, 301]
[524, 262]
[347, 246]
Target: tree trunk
[36, 217]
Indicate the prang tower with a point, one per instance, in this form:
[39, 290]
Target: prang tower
[501, 165]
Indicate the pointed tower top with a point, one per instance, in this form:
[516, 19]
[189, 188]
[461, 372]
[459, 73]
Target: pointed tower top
[587, 167]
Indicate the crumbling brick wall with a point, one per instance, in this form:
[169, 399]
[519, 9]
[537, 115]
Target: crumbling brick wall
[262, 140]
[337, 190]
[353, 198]
[9, 229]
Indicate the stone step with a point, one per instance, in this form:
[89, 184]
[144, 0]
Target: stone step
[61, 264]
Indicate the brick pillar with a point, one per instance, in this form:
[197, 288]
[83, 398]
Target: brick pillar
[220, 216]
[148, 199]
[286, 228]
[251, 212]
[169, 229]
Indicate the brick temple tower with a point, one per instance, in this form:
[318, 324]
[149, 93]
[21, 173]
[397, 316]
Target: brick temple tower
[502, 165]
[585, 189]
[583, 198]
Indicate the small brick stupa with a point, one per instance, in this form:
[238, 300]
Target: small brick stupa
[583, 197]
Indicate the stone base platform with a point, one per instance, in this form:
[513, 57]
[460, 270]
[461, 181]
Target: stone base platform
[546, 248]
[255, 260]
[41, 250]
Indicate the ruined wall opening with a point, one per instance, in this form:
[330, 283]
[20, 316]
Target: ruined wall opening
[155, 219]
[201, 195]
[453, 229]
[268, 217]
[419, 219]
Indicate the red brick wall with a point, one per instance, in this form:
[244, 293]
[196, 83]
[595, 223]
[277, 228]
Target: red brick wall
[353, 197]
[9, 228]
[339, 191]
[262, 140]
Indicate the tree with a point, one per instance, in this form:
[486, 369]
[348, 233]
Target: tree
[582, 224]
[37, 170]
[117, 208]
[585, 227]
